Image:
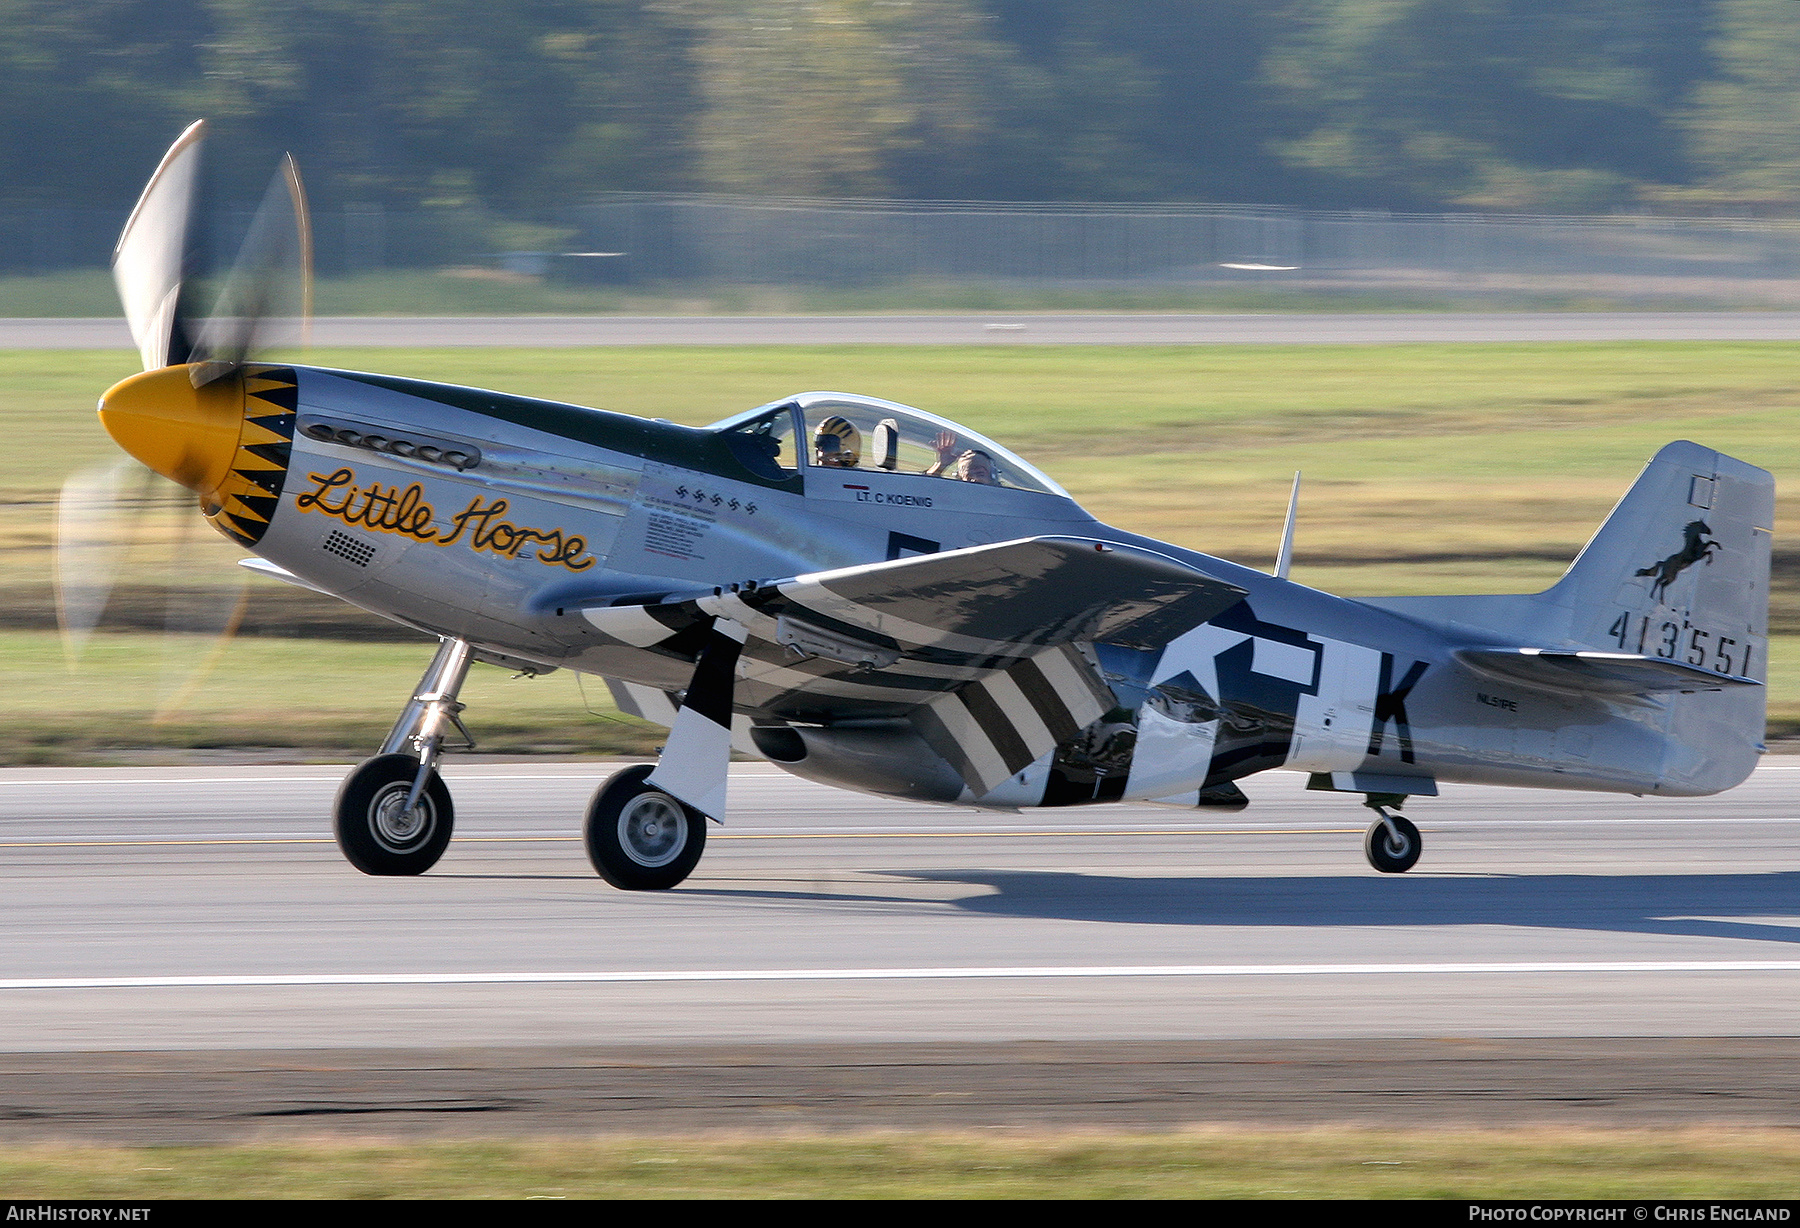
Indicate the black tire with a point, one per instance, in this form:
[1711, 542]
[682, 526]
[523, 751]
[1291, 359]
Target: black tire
[640, 838]
[370, 830]
[1382, 852]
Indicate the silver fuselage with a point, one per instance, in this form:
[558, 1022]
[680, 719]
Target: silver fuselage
[545, 509]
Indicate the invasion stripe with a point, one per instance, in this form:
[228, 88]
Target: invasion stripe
[990, 765]
[1088, 698]
[709, 694]
[630, 624]
[1051, 709]
[947, 729]
[1000, 731]
[936, 735]
[1021, 712]
[676, 616]
[760, 625]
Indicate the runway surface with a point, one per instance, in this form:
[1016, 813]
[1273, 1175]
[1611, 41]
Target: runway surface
[1298, 328]
[203, 908]
[202, 918]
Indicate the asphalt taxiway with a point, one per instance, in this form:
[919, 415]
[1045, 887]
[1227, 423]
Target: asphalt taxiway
[201, 919]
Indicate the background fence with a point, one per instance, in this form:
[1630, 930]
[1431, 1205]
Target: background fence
[658, 239]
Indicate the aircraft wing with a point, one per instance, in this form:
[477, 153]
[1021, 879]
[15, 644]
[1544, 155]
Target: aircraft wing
[977, 649]
[984, 601]
[1605, 673]
[999, 599]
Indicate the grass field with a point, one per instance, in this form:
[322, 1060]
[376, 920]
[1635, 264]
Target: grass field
[1429, 468]
[476, 291]
[328, 699]
[1715, 1163]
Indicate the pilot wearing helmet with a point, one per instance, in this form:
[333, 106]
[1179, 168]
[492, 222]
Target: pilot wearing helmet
[837, 444]
[969, 465]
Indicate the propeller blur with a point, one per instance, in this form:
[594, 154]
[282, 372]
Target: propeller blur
[105, 514]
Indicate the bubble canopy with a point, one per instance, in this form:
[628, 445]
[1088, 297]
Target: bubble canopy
[837, 430]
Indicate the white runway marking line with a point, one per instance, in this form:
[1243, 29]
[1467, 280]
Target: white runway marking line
[888, 974]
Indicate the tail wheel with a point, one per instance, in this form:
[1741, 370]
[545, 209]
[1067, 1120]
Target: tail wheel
[1387, 853]
[375, 830]
[639, 837]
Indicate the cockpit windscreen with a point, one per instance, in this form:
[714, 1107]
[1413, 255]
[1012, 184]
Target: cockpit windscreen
[850, 432]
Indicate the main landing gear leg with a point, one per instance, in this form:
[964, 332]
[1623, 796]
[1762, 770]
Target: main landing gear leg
[1392, 844]
[393, 813]
[646, 827]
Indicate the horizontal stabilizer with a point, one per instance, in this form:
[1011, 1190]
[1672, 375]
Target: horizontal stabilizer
[1597, 673]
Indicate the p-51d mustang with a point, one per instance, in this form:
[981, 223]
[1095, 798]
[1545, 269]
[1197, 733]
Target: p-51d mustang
[872, 597]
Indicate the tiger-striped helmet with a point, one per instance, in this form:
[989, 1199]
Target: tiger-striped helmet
[838, 441]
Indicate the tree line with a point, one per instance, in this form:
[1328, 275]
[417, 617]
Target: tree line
[521, 106]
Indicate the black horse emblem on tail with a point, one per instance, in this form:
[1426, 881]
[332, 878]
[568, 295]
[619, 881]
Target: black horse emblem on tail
[1695, 547]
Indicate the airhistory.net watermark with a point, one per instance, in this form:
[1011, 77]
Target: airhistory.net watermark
[62, 1213]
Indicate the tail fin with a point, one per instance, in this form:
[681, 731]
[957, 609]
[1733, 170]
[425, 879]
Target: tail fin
[1678, 572]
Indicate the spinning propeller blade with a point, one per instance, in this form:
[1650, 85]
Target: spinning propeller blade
[267, 298]
[202, 611]
[182, 423]
[152, 260]
[93, 533]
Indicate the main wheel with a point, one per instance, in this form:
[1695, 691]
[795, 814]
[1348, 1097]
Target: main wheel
[1388, 855]
[376, 833]
[640, 838]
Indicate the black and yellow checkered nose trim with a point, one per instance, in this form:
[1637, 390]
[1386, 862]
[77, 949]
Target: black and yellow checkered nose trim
[245, 502]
